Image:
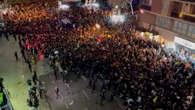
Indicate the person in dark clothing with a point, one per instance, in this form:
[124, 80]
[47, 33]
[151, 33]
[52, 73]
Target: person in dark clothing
[23, 54]
[55, 73]
[1, 33]
[14, 35]
[35, 78]
[1, 82]
[16, 56]
[64, 74]
[102, 96]
[57, 90]
[40, 89]
[29, 66]
[6, 36]
[93, 85]
[112, 96]
[90, 83]
[35, 103]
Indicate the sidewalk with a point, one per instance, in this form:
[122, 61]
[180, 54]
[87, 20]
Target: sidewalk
[15, 74]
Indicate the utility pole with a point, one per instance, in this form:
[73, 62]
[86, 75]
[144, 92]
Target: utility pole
[131, 5]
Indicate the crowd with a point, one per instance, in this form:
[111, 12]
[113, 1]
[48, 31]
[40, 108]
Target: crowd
[135, 69]
[35, 91]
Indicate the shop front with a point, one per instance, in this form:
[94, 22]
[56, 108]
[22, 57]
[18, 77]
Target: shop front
[185, 49]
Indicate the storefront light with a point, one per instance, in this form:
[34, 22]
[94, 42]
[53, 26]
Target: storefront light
[163, 45]
[151, 36]
[117, 19]
[142, 34]
[97, 26]
[185, 43]
[64, 7]
[97, 5]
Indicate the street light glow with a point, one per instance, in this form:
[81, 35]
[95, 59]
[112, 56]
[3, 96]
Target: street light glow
[95, 5]
[117, 19]
[64, 7]
[97, 26]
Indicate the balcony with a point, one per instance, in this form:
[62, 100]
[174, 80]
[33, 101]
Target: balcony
[178, 26]
[146, 7]
[187, 17]
[188, 0]
[183, 10]
[185, 1]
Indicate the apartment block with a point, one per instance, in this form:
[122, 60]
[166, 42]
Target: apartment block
[174, 20]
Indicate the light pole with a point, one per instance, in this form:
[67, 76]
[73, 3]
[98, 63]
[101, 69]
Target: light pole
[131, 5]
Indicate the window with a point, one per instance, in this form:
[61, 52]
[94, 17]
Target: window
[191, 31]
[165, 6]
[175, 26]
[147, 2]
[163, 22]
[180, 27]
[184, 28]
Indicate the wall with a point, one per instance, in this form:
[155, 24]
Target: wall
[157, 6]
[148, 18]
[120, 3]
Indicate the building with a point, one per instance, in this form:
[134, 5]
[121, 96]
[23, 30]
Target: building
[174, 20]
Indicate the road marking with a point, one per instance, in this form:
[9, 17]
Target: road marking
[66, 105]
[120, 106]
[72, 102]
[86, 109]
[86, 94]
[83, 77]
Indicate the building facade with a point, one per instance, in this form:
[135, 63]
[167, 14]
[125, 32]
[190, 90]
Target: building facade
[174, 20]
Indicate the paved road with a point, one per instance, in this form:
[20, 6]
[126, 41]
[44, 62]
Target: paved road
[75, 95]
[15, 74]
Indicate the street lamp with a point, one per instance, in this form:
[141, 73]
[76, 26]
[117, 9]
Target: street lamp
[97, 26]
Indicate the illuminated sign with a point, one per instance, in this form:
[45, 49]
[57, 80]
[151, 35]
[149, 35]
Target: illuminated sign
[185, 43]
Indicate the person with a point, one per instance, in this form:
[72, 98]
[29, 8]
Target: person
[40, 88]
[29, 84]
[64, 74]
[55, 73]
[90, 83]
[57, 92]
[14, 35]
[35, 103]
[29, 66]
[112, 94]
[102, 96]
[29, 102]
[1, 83]
[94, 83]
[35, 78]
[16, 55]
[6, 35]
